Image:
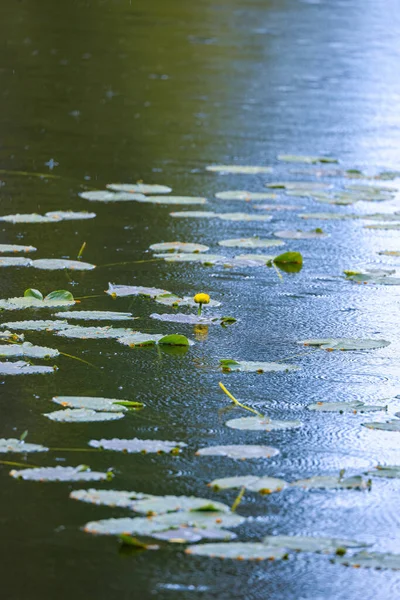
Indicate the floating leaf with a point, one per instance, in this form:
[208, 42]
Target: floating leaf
[187, 200]
[99, 404]
[171, 300]
[288, 258]
[15, 261]
[307, 186]
[197, 214]
[190, 535]
[16, 248]
[253, 242]
[303, 543]
[243, 217]
[371, 560]
[345, 343]
[14, 445]
[393, 425]
[46, 325]
[23, 368]
[138, 446]
[179, 247]
[84, 333]
[261, 424]
[239, 169]
[10, 336]
[27, 350]
[205, 259]
[60, 295]
[31, 302]
[166, 504]
[388, 471]
[371, 276]
[390, 252]
[369, 189]
[249, 260]
[301, 235]
[189, 319]
[105, 196]
[70, 215]
[263, 485]
[312, 160]
[140, 339]
[278, 207]
[345, 407]
[53, 264]
[80, 473]
[327, 482]
[141, 188]
[241, 451]
[121, 291]
[113, 498]
[322, 216]
[249, 366]
[389, 226]
[50, 217]
[243, 195]
[32, 293]
[237, 551]
[82, 415]
[95, 315]
[174, 340]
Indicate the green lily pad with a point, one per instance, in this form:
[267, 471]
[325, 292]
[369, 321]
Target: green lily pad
[239, 169]
[15, 261]
[345, 343]
[168, 299]
[84, 333]
[140, 339]
[16, 248]
[189, 535]
[388, 471]
[31, 302]
[237, 551]
[135, 445]
[345, 407]
[80, 473]
[301, 235]
[113, 498]
[312, 160]
[240, 451]
[371, 560]
[327, 482]
[174, 340]
[302, 543]
[289, 258]
[243, 195]
[249, 366]
[263, 485]
[82, 415]
[253, 242]
[121, 291]
[53, 264]
[261, 424]
[393, 425]
[26, 350]
[38, 325]
[105, 196]
[185, 200]
[141, 188]
[181, 247]
[99, 404]
[23, 368]
[166, 504]
[95, 315]
[14, 445]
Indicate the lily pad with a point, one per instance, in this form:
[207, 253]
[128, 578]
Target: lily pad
[243, 195]
[113, 498]
[393, 425]
[23, 368]
[371, 560]
[140, 339]
[38, 325]
[49, 217]
[379, 277]
[82, 415]
[387, 471]
[263, 485]
[345, 343]
[105, 196]
[185, 535]
[301, 235]
[95, 315]
[345, 407]
[253, 242]
[15, 261]
[237, 551]
[181, 247]
[166, 504]
[4, 248]
[205, 259]
[171, 300]
[121, 291]
[26, 350]
[241, 451]
[99, 404]
[243, 217]
[14, 445]
[189, 319]
[302, 543]
[249, 366]
[84, 333]
[138, 446]
[53, 264]
[327, 482]
[390, 252]
[249, 260]
[185, 200]
[70, 215]
[196, 214]
[141, 188]
[80, 473]
[389, 226]
[20, 303]
[261, 424]
[9, 336]
[307, 186]
[239, 169]
[323, 216]
[312, 160]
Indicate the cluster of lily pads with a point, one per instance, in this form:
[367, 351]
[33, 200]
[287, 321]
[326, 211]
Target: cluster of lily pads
[187, 519]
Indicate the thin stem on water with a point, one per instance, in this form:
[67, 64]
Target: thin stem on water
[238, 499]
[17, 464]
[130, 262]
[81, 251]
[237, 403]
[86, 362]
[277, 270]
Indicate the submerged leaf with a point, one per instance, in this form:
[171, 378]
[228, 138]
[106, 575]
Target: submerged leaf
[14, 445]
[249, 366]
[261, 424]
[82, 415]
[237, 551]
[23, 368]
[138, 446]
[241, 451]
[80, 473]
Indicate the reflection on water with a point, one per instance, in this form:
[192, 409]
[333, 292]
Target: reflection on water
[101, 91]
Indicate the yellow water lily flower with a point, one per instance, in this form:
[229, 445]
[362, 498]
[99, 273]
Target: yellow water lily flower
[201, 299]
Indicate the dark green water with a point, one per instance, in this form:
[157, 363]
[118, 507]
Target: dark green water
[124, 90]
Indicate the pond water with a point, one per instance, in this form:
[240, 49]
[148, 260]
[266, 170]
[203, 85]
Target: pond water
[101, 91]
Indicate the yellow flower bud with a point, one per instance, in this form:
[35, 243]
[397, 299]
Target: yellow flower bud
[202, 298]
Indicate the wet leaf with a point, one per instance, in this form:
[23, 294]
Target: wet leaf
[140, 339]
[184, 200]
[227, 365]
[171, 300]
[84, 333]
[205, 259]
[345, 407]
[95, 403]
[141, 188]
[261, 424]
[70, 215]
[289, 258]
[138, 446]
[53, 264]
[166, 504]
[323, 216]
[15, 261]
[301, 235]
[179, 247]
[184, 535]
[306, 186]
[239, 169]
[27, 350]
[50, 217]
[345, 343]
[263, 485]
[393, 425]
[95, 315]
[174, 340]
[371, 560]
[4, 248]
[253, 242]
[387, 471]
[243, 195]
[32, 293]
[303, 543]
[196, 214]
[105, 196]
[82, 415]
[14, 445]
[237, 551]
[80, 473]
[45, 325]
[23, 368]
[240, 451]
[312, 160]
[189, 319]
[327, 482]
[121, 291]
[113, 498]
